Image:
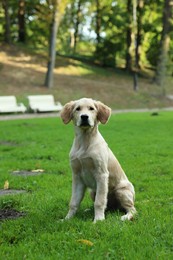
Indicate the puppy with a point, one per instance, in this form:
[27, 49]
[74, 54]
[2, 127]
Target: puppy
[93, 164]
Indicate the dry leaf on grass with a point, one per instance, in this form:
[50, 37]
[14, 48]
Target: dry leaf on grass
[6, 185]
[85, 241]
[38, 170]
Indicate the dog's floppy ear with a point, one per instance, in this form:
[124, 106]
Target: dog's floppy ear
[104, 112]
[66, 112]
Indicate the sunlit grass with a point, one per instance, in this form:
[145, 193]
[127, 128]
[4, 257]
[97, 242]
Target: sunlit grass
[68, 66]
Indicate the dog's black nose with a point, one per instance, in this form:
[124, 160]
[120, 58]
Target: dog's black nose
[84, 117]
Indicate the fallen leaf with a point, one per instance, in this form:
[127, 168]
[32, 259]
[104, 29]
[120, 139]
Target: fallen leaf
[6, 185]
[38, 170]
[85, 241]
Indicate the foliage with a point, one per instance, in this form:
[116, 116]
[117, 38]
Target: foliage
[152, 29]
[143, 145]
[115, 19]
[113, 41]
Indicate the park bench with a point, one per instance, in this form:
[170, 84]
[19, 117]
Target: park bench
[43, 103]
[170, 97]
[8, 104]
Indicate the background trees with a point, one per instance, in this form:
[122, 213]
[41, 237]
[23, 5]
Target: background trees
[21, 21]
[7, 34]
[100, 30]
[52, 43]
[164, 43]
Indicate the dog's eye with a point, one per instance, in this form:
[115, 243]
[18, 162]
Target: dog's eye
[78, 109]
[91, 108]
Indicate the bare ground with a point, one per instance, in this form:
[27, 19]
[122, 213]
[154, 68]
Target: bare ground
[22, 74]
[10, 214]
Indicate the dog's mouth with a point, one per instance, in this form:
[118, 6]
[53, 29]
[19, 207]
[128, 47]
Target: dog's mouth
[85, 125]
[84, 121]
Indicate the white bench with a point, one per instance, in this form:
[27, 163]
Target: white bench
[8, 104]
[170, 97]
[43, 103]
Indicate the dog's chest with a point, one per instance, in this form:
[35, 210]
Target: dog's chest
[86, 168]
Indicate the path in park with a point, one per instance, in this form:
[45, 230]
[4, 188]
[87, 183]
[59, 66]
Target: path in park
[47, 115]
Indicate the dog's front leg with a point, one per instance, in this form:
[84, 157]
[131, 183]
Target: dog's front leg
[78, 190]
[101, 197]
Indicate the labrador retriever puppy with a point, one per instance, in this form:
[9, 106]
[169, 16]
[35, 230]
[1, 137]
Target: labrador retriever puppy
[93, 164]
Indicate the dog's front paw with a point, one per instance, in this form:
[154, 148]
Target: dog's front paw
[68, 217]
[99, 218]
[70, 214]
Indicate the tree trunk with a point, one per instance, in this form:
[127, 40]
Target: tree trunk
[98, 21]
[128, 36]
[21, 21]
[72, 18]
[140, 6]
[52, 47]
[77, 24]
[7, 34]
[135, 68]
[164, 45]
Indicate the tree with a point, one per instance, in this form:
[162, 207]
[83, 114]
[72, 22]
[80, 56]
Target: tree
[7, 34]
[21, 21]
[98, 22]
[76, 29]
[140, 10]
[133, 40]
[135, 74]
[57, 7]
[102, 30]
[164, 44]
[52, 45]
[128, 65]
[109, 15]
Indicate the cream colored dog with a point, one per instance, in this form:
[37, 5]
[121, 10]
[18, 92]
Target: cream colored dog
[93, 163]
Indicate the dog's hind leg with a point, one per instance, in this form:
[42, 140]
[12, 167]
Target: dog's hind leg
[126, 196]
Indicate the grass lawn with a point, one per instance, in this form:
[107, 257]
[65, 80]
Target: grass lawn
[142, 143]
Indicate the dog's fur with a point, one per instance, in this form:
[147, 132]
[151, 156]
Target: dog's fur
[93, 163]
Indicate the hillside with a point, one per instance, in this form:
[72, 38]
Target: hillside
[22, 73]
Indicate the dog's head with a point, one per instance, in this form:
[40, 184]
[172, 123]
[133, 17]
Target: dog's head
[85, 113]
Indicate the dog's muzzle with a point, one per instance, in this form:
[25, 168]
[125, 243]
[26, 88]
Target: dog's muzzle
[84, 120]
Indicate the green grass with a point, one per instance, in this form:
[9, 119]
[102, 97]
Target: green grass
[143, 145]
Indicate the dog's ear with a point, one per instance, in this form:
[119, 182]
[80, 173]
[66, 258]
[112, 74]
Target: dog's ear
[66, 112]
[104, 112]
